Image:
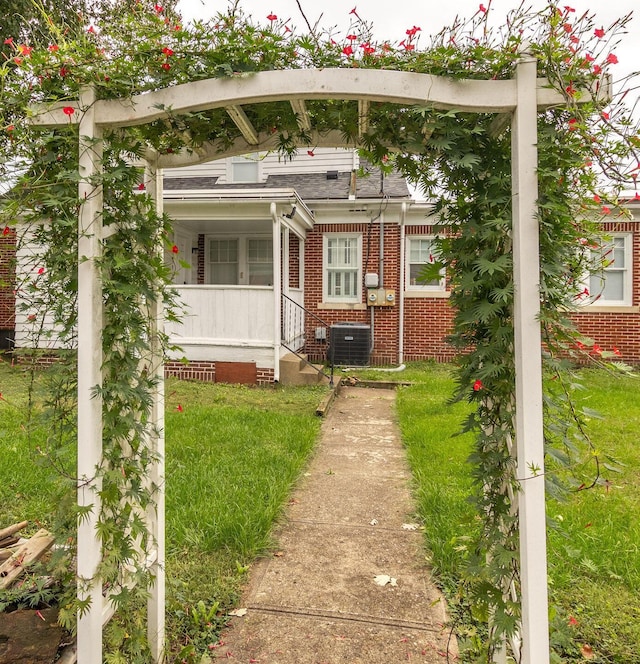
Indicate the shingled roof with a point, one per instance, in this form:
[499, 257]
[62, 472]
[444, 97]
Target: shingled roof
[309, 186]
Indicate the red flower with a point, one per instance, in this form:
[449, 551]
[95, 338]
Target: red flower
[483, 9]
[412, 31]
[10, 128]
[597, 198]
[9, 41]
[597, 69]
[352, 37]
[69, 110]
[571, 91]
[367, 48]
[572, 621]
[589, 58]
[6, 230]
[573, 124]
[612, 59]
[167, 51]
[568, 9]
[616, 351]
[311, 153]
[599, 33]
[166, 66]
[159, 8]
[597, 350]
[177, 28]
[63, 71]
[606, 210]
[179, 408]
[174, 249]
[477, 386]
[141, 187]
[91, 30]
[605, 115]
[18, 61]
[53, 48]
[409, 47]
[574, 39]
[24, 49]
[40, 270]
[568, 27]
[354, 12]
[272, 17]
[347, 50]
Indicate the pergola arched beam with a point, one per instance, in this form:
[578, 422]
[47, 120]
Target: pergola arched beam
[395, 87]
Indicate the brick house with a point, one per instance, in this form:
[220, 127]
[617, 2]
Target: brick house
[346, 250]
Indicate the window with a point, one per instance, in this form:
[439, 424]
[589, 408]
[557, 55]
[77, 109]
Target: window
[245, 168]
[419, 253]
[223, 259]
[241, 261]
[610, 283]
[260, 261]
[342, 271]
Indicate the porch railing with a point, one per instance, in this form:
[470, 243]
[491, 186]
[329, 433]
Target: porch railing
[294, 332]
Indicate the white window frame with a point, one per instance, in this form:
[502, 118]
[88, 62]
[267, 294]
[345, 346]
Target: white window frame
[329, 299]
[420, 287]
[243, 257]
[252, 158]
[595, 299]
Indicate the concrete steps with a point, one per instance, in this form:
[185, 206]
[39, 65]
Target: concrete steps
[296, 371]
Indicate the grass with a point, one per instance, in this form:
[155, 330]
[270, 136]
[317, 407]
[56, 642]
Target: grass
[593, 553]
[233, 454]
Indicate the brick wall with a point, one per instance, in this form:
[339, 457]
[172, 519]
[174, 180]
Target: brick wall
[7, 280]
[206, 371]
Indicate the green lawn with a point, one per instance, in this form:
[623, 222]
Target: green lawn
[594, 552]
[233, 454]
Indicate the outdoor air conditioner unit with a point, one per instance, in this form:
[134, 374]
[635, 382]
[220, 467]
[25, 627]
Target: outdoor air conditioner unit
[350, 344]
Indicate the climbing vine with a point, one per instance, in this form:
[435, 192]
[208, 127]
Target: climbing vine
[587, 156]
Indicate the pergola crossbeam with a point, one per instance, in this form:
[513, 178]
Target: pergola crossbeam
[240, 119]
[302, 115]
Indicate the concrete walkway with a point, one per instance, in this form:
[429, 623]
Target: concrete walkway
[316, 600]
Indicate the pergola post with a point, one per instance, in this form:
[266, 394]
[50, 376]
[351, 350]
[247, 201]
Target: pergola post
[89, 377]
[528, 367]
[155, 513]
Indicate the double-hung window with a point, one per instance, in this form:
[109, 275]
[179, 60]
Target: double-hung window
[610, 283]
[420, 252]
[342, 268]
[223, 261]
[241, 260]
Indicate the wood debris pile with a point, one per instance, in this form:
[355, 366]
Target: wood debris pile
[17, 553]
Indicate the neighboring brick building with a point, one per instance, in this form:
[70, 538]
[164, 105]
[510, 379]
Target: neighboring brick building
[7, 279]
[345, 247]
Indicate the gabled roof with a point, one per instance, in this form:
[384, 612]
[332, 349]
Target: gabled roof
[331, 185]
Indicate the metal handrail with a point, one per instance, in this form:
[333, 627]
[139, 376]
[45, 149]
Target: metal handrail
[322, 322]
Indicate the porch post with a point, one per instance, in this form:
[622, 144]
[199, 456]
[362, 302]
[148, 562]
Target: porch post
[277, 292]
[89, 377]
[156, 511]
[528, 367]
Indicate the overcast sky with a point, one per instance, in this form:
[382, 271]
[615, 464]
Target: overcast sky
[391, 18]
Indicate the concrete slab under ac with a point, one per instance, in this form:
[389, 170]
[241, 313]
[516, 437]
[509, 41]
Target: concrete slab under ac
[350, 521]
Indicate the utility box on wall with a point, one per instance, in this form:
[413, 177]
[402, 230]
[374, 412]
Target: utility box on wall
[350, 344]
[381, 297]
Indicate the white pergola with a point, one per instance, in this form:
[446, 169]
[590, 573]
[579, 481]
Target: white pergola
[516, 101]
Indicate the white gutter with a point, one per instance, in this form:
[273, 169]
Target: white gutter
[403, 216]
[277, 291]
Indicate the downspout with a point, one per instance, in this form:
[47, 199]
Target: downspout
[403, 216]
[277, 292]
